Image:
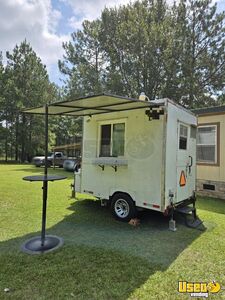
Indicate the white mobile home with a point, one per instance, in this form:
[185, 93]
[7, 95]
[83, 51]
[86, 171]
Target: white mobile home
[139, 157]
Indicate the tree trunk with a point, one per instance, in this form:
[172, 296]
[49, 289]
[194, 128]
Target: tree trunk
[23, 139]
[192, 94]
[97, 71]
[11, 146]
[16, 138]
[6, 143]
[29, 154]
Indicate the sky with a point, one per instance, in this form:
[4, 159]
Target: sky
[46, 24]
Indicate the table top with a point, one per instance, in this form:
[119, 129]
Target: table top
[44, 178]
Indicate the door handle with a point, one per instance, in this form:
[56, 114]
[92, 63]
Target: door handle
[191, 164]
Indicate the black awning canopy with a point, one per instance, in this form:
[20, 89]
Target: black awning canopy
[92, 105]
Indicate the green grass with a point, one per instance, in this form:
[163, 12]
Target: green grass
[101, 258]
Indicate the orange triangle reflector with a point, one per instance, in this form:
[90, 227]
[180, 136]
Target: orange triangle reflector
[182, 179]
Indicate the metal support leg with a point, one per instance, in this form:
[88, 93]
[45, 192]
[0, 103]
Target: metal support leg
[45, 183]
[38, 245]
[172, 222]
[44, 207]
[194, 211]
[73, 187]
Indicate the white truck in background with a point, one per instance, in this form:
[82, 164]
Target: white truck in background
[54, 159]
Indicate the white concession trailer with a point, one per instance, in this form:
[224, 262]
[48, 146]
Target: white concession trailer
[143, 158]
[136, 154]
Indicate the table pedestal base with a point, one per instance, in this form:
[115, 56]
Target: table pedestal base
[33, 245]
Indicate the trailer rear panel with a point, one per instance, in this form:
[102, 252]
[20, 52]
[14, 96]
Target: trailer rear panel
[180, 152]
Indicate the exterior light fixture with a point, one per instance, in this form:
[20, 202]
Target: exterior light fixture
[143, 97]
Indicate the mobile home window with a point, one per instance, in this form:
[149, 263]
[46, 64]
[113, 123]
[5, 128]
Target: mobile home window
[183, 137]
[112, 140]
[207, 144]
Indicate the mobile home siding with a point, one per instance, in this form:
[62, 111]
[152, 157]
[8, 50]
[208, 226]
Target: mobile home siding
[213, 175]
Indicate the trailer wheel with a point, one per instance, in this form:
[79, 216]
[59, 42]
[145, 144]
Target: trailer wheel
[123, 207]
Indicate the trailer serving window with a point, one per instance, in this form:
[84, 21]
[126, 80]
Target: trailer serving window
[207, 144]
[183, 137]
[112, 139]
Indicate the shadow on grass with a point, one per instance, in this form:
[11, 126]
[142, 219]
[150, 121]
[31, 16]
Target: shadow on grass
[211, 204]
[10, 162]
[101, 258]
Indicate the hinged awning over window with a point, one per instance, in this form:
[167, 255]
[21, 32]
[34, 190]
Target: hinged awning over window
[92, 105]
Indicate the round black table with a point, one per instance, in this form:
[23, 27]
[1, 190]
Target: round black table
[44, 178]
[44, 243]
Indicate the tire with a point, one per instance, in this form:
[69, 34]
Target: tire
[123, 207]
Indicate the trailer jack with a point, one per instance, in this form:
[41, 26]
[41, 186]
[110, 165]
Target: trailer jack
[73, 190]
[172, 222]
[172, 225]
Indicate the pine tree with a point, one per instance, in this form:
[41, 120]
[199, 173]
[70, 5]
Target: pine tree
[85, 55]
[173, 51]
[3, 129]
[26, 84]
[203, 57]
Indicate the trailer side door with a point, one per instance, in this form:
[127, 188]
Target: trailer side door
[185, 160]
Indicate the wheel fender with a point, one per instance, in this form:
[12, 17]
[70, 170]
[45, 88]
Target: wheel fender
[131, 194]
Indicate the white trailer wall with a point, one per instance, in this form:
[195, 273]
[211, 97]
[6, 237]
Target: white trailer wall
[141, 178]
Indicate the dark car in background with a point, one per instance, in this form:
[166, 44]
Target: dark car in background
[72, 164]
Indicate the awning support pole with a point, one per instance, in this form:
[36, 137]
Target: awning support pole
[45, 183]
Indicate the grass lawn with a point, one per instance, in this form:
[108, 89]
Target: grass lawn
[101, 258]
